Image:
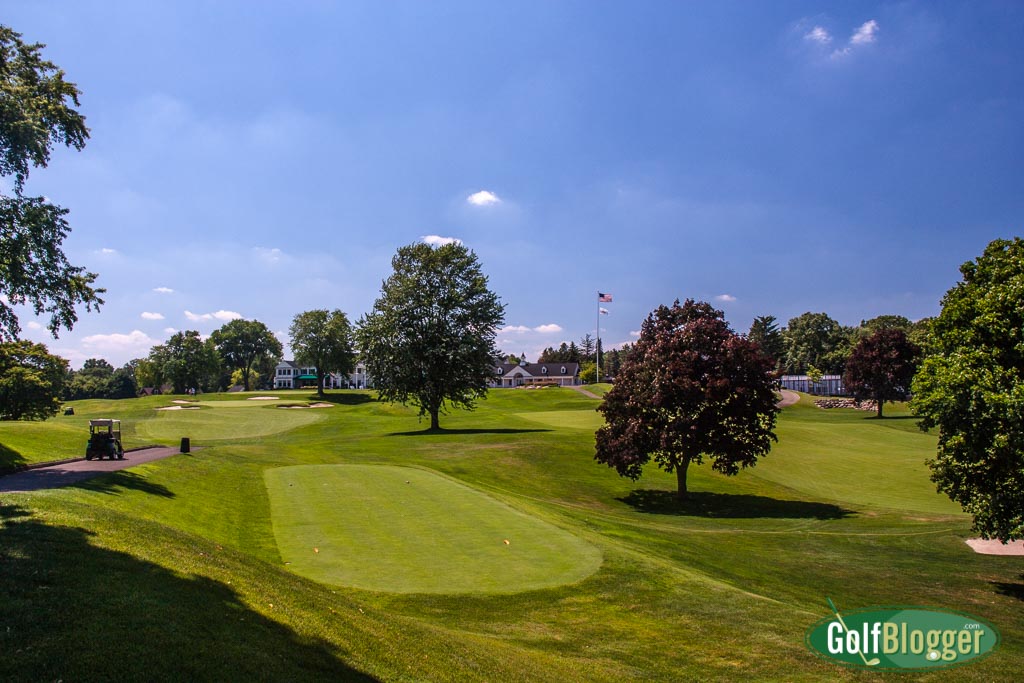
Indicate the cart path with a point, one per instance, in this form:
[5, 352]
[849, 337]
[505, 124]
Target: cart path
[788, 398]
[588, 394]
[74, 471]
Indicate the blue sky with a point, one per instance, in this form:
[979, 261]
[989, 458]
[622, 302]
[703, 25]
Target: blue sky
[259, 159]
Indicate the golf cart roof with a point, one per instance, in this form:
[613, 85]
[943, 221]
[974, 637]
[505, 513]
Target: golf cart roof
[104, 422]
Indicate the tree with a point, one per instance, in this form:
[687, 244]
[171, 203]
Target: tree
[881, 367]
[587, 348]
[241, 343]
[971, 386]
[887, 322]
[187, 362]
[36, 113]
[31, 381]
[324, 340]
[810, 339]
[429, 340]
[92, 381]
[690, 388]
[588, 372]
[765, 331]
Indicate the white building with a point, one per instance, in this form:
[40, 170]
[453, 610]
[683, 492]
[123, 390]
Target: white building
[536, 374]
[290, 375]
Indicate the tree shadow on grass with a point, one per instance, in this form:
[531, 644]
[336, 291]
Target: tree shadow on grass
[729, 506]
[1010, 589]
[10, 460]
[343, 399]
[450, 432]
[77, 611]
[117, 482]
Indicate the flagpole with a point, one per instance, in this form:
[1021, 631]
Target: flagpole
[597, 349]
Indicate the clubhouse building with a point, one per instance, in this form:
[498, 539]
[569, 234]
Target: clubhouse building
[536, 374]
[290, 375]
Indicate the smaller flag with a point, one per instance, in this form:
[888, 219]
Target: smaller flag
[604, 298]
[604, 311]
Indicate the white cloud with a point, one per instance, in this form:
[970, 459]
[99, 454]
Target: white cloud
[514, 329]
[219, 315]
[438, 241]
[132, 345]
[106, 251]
[550, 328]
[170, 330]
[146, 315]
[33, 325]
[271, 256]
[483, 198]
[725, 298]
[163, 290]
[865, 34]
[634, 333]
[818, 35]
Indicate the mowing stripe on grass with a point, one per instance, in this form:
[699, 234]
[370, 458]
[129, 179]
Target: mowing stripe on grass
[407, 530]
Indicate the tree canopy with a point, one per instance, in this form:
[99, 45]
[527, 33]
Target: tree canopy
[323, 339]
[881, 367]
[37, 111]
[814, 339]
[31, 381]
[765, 331]
[241, 343]
[690, 388]
[971, 386]
[186, 361]
[429, 339]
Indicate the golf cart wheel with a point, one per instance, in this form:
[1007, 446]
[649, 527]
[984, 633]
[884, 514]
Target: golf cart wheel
[88, 456]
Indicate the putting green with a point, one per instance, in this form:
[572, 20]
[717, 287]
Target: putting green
[406, 530]
[214, 423]
[588, 419]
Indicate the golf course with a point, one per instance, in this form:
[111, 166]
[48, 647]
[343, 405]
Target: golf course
[349, 542]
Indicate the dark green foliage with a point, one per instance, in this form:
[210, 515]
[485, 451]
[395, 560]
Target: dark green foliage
[324, 340]
[36, 113]
[566, 353]
[881, 367]
[429, 340]
[99, 379]
[887, 322]
[766, 333]
[812, 339]
[241, 343]
[187, 362]
[31, 381]
[971, 387]
[690, 388]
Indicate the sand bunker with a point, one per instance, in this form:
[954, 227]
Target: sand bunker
[179, 407]
[993, 547]
[262, 398]
[311, 405]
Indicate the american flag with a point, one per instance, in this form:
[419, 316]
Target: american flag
[604, 311]
[604, 298]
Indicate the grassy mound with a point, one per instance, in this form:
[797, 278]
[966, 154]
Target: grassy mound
[407, 530]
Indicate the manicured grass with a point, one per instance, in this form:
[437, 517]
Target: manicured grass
[178, 558]
[214, 423]
[407, 530]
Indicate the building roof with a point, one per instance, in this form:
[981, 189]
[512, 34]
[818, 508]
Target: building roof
[538, 369]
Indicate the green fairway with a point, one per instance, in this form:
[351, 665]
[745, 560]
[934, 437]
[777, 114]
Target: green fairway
[407, 530]
[204, 567]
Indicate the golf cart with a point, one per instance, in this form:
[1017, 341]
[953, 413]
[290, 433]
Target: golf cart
[104, 440]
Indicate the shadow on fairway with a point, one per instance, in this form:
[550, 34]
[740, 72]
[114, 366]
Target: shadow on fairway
[1010, 590]
[729, 506]
[342, 399]
[450, 432]
[133, 619]
[116, 482]
[10, 459]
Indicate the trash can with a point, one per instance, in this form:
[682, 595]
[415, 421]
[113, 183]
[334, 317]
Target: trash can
[184, 444]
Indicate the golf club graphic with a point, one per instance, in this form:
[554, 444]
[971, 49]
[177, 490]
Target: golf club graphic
[867, 662]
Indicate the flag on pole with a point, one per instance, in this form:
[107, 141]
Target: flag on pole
[604, 298]
[604, 311]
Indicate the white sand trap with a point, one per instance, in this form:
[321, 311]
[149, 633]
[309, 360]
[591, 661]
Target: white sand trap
[180, 408]
[262, 398]
[321, 405]
[178, 400]
[993, 547]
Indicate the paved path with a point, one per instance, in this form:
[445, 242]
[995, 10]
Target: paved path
[788, 398]
[78, 470]
[588, 394]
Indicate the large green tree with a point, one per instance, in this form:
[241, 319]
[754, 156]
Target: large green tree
[37, 111]
[429, 340]
[690, 388]
[187, 362]
[241, 343]
[971, 387]
[881, 367]
[323, 339]
[812, 339]
[31, 381]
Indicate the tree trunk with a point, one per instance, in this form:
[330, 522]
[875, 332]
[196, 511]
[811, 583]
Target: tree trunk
[320, 384]
[878, 404]
[435, 424]
[245, 377]
[681, 493]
